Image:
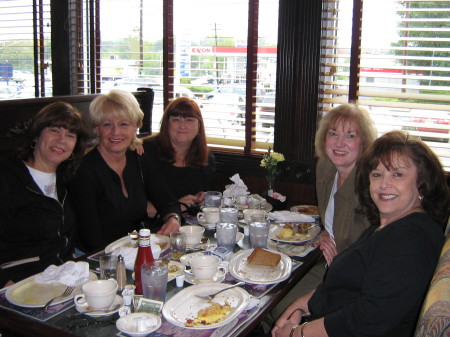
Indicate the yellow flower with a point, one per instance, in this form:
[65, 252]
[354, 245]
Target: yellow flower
[277, 156]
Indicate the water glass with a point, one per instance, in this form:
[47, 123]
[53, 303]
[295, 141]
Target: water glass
[213, 199]
[108, 266]
[254, 203]
[226, 234]
[177, 245]
[228, 214]
[259, 234]
[154, 280]
[241, 201]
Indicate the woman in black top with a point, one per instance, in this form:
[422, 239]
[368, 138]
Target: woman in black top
[376, 286]
[37, 223]
[180, 152]
[111, 187]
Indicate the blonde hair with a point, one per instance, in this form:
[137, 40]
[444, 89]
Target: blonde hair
[118, 104]
[345, 113]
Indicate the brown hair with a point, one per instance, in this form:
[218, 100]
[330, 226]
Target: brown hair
[430, 182]
[345, 113]
[61, 115]
[198, 152]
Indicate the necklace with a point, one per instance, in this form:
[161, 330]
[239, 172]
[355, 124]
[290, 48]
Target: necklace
[412, 210]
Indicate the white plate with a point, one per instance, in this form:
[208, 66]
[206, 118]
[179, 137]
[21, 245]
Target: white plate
[206, 225]
[239, 236]
[185, 305]
[241, 270]
[117, 300]
[126, 324]
[219, 277]
[30, 294]
[162, 240]
[306, 209]
[275, 230]
[202, 245]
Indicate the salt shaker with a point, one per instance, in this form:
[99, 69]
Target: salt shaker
[121, 274]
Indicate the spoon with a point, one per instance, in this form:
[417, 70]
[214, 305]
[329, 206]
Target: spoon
[100, 311]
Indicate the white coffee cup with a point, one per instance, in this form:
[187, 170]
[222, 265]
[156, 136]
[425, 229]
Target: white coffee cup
[99, 294]
[248, 212]
[209, 215]
[205, 267]
[194, 234]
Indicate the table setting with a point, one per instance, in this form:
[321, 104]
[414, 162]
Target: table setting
[225, 244]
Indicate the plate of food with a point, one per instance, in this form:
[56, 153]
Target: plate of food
[294, 232]
[129, 241]
[188, 311]
[306, 209]
[30, 294]
[260, 266]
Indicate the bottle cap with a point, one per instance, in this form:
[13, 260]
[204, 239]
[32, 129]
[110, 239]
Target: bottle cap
[144, 232]
[120, 258]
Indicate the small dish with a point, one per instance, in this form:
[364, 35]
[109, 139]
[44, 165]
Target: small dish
[128, 324]
[117, 300]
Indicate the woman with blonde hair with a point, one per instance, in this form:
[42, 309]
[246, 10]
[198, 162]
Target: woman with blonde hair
[111, 188]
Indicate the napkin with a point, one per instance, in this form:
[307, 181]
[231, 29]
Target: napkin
[129, 254]
[237, 188]
[70, 273]
[287, 216]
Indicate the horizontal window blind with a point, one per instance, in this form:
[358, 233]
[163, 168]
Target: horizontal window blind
[403, 76]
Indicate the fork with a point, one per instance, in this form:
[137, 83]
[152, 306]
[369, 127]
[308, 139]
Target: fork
[209, 297]
[66, 292]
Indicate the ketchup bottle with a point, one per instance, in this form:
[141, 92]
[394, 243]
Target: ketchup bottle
[144, 255]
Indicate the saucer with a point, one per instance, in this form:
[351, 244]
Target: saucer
[126, 324]
[117, 300]
[207, 225]
[218, 278]
[201, 245]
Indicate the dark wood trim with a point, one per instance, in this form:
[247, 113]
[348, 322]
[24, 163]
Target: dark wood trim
[355, 52]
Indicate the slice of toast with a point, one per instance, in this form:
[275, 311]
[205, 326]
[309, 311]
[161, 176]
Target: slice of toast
[263, 257]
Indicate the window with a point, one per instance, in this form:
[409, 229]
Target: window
[25, 54]
[399, 72]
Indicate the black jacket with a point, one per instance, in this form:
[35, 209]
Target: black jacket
[32, 225]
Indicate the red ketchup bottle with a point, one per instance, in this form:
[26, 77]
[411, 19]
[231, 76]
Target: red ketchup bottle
[144, 255]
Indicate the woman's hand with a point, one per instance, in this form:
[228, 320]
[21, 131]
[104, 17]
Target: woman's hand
[327, 246]
[140, 150]
[170, 226]
[292, 315]
[192, 200]
[285, 331]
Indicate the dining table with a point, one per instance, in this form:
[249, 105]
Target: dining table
[60, 322]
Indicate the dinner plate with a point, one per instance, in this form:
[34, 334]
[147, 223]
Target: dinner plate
[117, 300]
[306, 209]
[30, 294]
[161, 240]
[185, 305]
[256, 274]
[311, 234]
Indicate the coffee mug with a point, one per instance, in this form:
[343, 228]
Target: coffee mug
[205, 267]
[99, 294]
[248, 212]
[209, 215]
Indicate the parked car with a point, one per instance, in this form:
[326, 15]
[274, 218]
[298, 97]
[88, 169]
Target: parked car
[430, 119]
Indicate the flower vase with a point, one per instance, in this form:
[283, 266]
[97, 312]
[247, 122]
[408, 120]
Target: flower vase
[270, 181]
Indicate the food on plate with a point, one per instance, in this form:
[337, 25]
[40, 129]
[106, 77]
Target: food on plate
[211, 315]
[295, 232]
[308, 210]
[173, 268]
[263, 257]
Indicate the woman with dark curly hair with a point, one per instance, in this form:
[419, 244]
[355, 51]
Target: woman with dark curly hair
[37, 225]
[376, 287]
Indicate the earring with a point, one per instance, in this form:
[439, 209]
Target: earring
[420, 197]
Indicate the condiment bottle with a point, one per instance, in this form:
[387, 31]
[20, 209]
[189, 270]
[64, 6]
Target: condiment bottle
[144, 255]
[121, 273]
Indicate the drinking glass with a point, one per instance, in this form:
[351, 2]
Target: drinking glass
[226, 234]
[108, 266]
[177, 245]
[213, 198]
[154, 280]
[259, 234]
[228, 214]
[254, 203]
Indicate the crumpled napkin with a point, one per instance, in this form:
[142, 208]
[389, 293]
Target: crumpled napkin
[70, 273]
[288, 216]
[129, 254]
[238, 188]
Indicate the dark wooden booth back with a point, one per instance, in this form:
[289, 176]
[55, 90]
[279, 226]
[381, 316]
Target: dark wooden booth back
[15, 115]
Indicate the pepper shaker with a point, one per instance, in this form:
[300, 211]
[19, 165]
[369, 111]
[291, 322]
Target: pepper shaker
[121, 273]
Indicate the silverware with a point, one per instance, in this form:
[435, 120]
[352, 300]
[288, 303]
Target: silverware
[209, 297]
[100, 311]
[66, 292]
